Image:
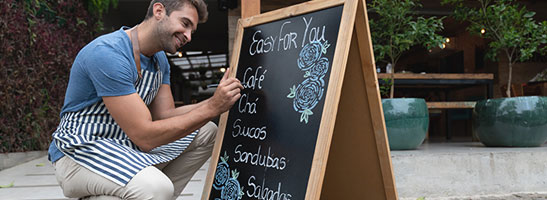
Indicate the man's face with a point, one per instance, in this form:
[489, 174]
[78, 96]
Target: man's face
[176, 30]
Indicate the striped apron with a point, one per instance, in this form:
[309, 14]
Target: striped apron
[94, 140]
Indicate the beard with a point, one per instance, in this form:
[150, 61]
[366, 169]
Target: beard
[165, 37]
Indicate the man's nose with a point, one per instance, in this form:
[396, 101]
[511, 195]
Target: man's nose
[188, 35]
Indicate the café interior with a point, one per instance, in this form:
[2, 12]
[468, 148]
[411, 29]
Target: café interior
[450, 78]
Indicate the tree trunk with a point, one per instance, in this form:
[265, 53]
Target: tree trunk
[392, 88]
[508, 91]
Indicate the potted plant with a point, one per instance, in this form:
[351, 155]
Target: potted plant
[395, 30]
[514, 34]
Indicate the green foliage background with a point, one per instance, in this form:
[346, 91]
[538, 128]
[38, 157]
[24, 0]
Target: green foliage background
[510, 28]
[397, 29]
[39, 40]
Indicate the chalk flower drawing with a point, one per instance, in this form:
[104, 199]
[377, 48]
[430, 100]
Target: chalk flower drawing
[318, 70]
[229, 186]
[309, 55]
[309, 93]
[306, 97]
[232, 189]
[222, 173]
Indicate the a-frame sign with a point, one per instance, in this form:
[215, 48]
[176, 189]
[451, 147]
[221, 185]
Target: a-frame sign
[309, 124]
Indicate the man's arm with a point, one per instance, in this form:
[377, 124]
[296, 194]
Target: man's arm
[163, 106]
[134, 117]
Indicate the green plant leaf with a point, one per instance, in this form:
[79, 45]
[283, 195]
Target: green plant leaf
[7, 186]
[79, 21]
[510, 29]
[397, 29]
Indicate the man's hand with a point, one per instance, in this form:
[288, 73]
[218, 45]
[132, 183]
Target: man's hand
[226, 94]
[134, 117]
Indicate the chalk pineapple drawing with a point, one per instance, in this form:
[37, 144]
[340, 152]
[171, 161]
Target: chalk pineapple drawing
[229, 186]
[310, 91]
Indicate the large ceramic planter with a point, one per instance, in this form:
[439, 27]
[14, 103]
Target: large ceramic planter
[511, 122]
[407, 120]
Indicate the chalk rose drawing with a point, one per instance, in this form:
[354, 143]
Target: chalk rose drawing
[229, 186]
[318, 70]
[222, 173]
[310, 91]
[309, 55]
[306, 96]
[232, 189]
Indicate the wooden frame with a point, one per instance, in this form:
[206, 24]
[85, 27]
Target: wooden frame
[332, 174]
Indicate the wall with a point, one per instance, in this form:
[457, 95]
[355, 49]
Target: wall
[522, 73]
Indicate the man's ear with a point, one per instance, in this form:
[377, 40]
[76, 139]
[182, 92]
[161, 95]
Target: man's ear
[159, 11]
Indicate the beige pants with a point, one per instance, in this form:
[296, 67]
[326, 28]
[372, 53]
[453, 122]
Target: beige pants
[163, 181]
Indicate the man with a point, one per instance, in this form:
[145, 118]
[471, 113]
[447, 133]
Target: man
[120, 136]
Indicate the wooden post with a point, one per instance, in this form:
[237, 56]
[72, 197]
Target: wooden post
[250, 8]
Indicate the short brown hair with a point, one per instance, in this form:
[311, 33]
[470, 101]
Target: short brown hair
[171, 5]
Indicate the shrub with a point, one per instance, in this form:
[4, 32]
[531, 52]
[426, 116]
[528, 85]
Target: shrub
[39, 40]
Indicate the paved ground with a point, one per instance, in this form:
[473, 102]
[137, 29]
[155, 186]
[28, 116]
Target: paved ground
[519, 196]
[467, 170]
[36, 179]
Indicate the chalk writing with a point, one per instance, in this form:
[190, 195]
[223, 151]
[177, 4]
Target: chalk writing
[286, 40]
[259, 159]
[259, 133]
[253, 81]
[263, 192]
[247, 106]
[261, 45]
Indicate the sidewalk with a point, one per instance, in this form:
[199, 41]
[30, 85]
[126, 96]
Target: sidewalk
[437, 171]
[36, 180]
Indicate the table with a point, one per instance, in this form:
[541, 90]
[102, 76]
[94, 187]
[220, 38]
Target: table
[485, 79]
[448, 81]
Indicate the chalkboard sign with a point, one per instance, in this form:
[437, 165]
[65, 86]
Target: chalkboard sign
[273, 140]
[271, 131]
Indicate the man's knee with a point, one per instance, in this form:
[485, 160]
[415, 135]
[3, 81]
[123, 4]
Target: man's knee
[156, 189]
[152, 185]
[207, 133]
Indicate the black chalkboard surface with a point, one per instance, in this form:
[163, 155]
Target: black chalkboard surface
[309, 124]
[271, 132]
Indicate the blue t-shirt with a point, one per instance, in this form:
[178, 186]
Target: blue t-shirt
[105, 67]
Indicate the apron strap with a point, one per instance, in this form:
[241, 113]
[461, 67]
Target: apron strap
[136, 50]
